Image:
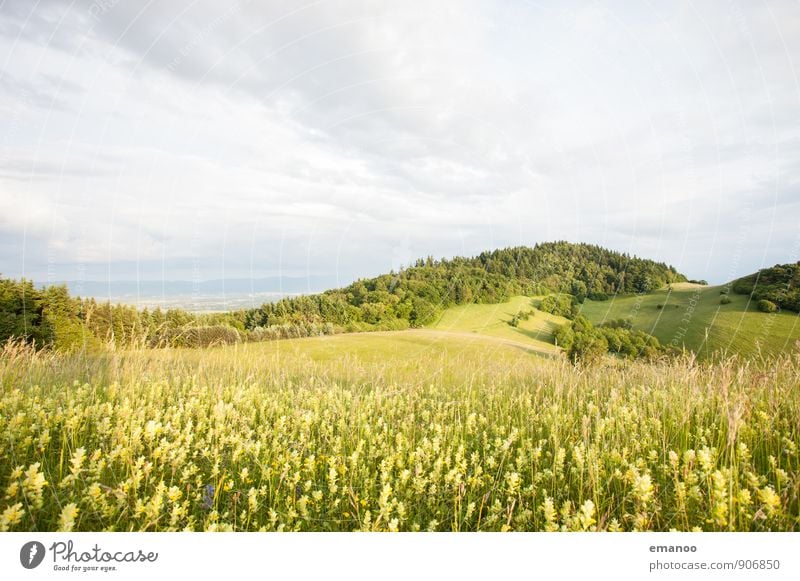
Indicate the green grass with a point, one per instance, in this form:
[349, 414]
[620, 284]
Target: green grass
[691, 317]
[690, 313]
[493, 321]
[401, 431]
[384, 348]
[460, 426]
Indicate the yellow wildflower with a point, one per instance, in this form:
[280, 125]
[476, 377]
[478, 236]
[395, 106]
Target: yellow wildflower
[66, 522]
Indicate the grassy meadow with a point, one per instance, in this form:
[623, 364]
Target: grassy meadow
[690, 311]
[420, 430]
[492, 320]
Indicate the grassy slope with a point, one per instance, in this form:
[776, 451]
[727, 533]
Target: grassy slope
[414, 430]
[692, 309]
[471, 330]
[492, 321]
[395, 347]
[375, 349]
[411, 357]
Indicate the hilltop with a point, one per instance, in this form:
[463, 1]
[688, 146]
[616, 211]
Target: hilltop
[416, 296]
[542, 297]
[413, 297]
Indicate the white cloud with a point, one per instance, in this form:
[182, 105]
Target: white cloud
[339, 136]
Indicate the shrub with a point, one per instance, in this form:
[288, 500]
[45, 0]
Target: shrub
[725, 300]
[766, 306]
[588, 348]
[294, 331]
[660, 306]
[208, 336]
[598, 296]
[779, 284]
[69, 335]
[564, 336]
[581, 324]
[561, 304]
[619, 324]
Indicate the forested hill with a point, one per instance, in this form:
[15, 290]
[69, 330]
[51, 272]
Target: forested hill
[776, 288]
[413, 297]
[417, 294]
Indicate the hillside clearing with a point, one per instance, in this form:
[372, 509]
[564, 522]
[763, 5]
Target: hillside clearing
[691, 316]
[493, 321]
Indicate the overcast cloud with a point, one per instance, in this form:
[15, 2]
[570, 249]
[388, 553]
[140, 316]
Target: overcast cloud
[345, 138]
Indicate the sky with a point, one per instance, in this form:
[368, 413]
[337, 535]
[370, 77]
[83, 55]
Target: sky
[201, 140]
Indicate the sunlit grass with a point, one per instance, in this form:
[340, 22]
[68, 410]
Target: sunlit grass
[691, 316]
[394, 432]
[493, 320]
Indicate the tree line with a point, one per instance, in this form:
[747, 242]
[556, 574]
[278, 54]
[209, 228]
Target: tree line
[50, 317]
[417, 295]
[412, 297]
[774, 288]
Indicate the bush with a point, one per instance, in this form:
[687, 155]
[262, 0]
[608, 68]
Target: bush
[587, 348]
[725, 300]
[195, 336]
[295, 331]
[70, 335]
[779, 285]
[561, 304]
[564, 336]
[598, 296]
[766, 306]
[660, 306]
[209, 335]
[521, 316]
[619, 324]
[581, 324]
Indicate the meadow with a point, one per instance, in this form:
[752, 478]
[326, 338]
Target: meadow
[492, 320]
[406, 431]
[691, 316]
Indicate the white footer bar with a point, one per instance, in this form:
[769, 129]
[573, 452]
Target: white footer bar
[354, 556]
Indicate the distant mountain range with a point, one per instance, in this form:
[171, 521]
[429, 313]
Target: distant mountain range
[206, 295]
[571, 279]
[156, 288]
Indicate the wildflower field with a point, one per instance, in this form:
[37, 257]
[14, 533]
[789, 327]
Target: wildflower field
[394, 433]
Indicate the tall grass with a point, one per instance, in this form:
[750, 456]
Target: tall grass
[240, 438]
